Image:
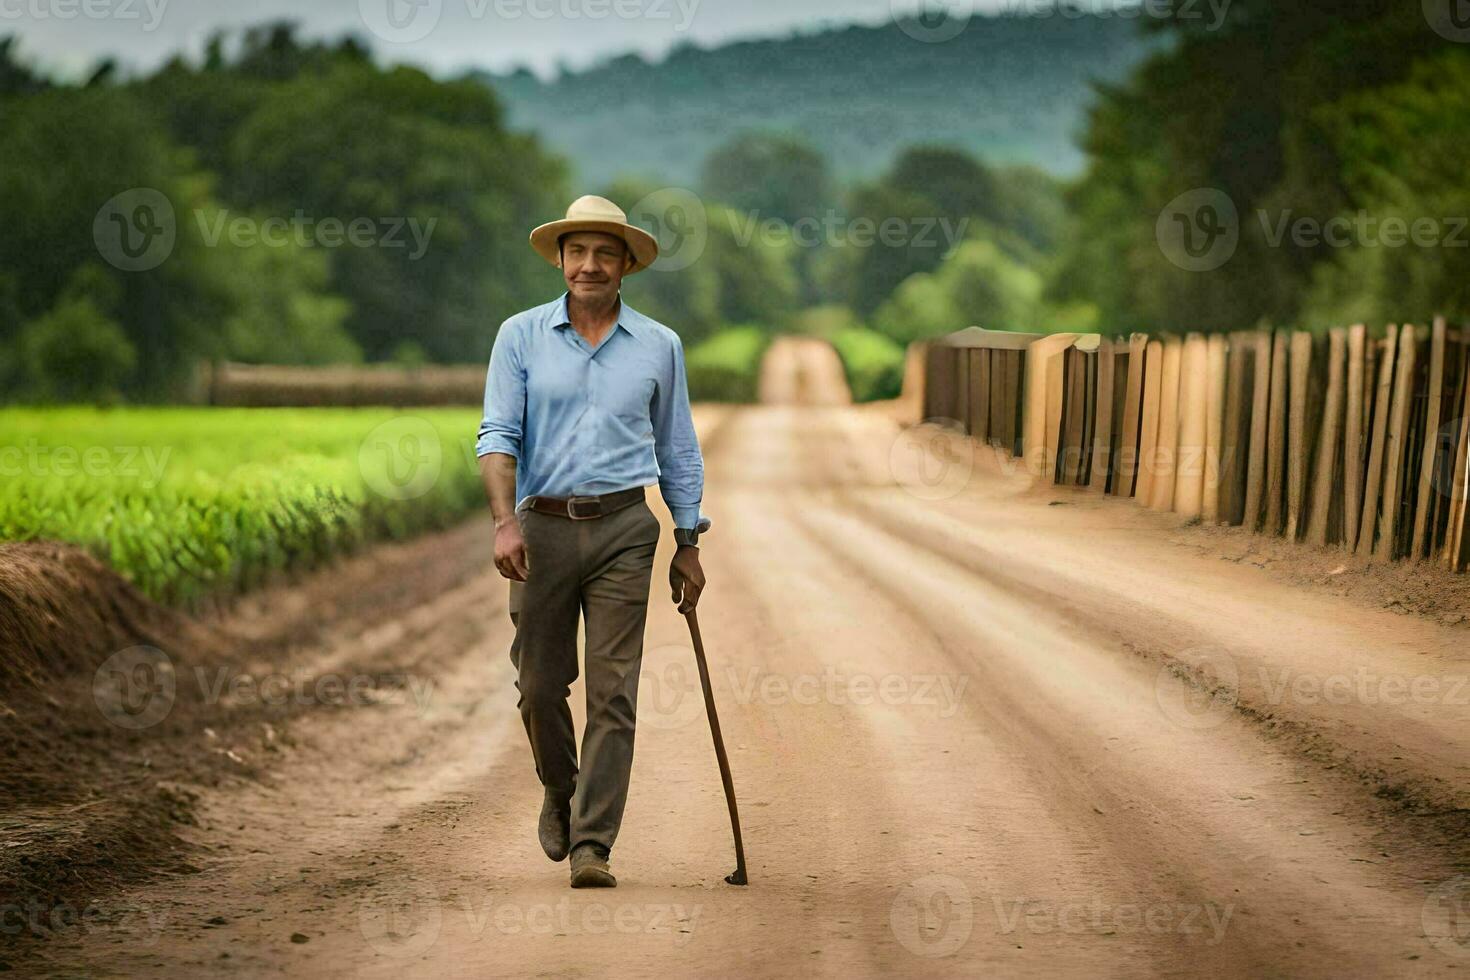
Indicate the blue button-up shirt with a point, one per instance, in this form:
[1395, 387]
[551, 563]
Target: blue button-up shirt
[581, 419]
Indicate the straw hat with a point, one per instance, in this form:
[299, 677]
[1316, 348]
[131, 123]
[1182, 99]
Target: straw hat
[592, 213]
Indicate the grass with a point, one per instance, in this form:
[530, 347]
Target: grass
[726, 367]
[192, 502]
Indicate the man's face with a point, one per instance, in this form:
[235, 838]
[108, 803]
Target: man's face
[593, 264]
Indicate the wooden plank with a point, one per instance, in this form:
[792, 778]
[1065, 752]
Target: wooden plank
[1125, 471]
[1454, 481]
[1102, 425]
[1456, 538]
[1431, 442]
[980, 394]
[1256, 466]
[1041, 415]
[1234, 435]
[1167, 450]
[1055, 398]
[1367, 530]
[1012, 340]
[1012, 396]
[962, 389]
[1325, 473]
[1276, 435]
[1120, 403]
[1189, 452]
[1457, 360]
[1353, 428]
[1387, 544]
[1214, 426]
[1073, 418]
[1090, 361]
[1296, 446]
[1148, 442]
[997, 396]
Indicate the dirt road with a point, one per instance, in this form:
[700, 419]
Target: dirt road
[974, 727]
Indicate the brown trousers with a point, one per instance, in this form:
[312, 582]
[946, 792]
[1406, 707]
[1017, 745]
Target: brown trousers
[601, 567]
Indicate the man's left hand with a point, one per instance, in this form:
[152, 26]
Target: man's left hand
[686, 578]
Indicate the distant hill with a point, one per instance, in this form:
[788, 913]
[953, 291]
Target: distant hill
[1011, 89]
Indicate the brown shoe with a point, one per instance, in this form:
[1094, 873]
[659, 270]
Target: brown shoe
[554, 830]
[589, 867]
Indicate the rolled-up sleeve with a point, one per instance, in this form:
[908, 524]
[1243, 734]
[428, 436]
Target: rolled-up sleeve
[503, 425]
[680, 463]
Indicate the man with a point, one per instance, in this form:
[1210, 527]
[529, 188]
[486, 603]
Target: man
[586, 404]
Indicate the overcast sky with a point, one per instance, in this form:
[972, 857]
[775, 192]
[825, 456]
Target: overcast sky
[444, 36]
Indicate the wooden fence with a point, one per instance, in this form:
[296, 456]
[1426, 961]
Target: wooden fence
[1347, 438]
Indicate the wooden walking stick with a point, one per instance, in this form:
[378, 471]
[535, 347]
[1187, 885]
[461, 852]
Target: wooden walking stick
[736, 877]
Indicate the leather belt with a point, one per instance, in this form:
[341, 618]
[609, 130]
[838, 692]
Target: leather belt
[582, 508]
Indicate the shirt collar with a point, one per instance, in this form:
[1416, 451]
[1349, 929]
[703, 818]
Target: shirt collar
[627, 316]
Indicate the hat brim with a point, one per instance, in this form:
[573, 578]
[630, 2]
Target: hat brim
[643, 245]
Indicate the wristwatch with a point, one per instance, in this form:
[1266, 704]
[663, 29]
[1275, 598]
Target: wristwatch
[686, 537]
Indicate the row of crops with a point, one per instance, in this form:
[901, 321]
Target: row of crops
[190, 502]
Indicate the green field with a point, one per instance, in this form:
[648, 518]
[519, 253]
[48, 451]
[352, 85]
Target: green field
[192, 502]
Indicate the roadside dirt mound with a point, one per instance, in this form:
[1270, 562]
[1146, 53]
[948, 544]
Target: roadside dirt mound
[100, 736]
[63, 611]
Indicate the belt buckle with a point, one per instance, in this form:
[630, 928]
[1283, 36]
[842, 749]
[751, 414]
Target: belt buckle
[572, 508]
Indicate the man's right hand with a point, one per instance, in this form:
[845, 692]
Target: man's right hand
[510, 551]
